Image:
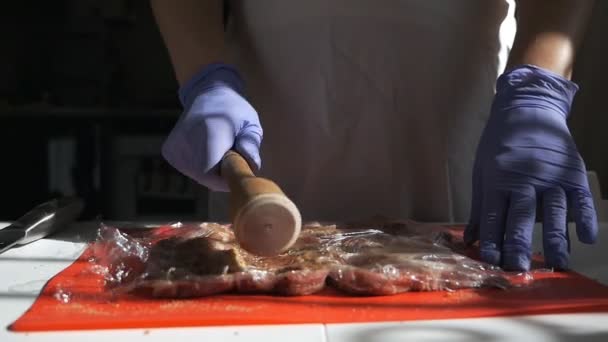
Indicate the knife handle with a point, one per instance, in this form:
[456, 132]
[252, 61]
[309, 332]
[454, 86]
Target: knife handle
[47, 218]
[9, 239]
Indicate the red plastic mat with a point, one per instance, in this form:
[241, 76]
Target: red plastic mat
[74, 300]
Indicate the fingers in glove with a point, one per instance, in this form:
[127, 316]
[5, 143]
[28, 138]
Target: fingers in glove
[517, 246]
[248, 144]
[555, 228]
[583, 212]
[215, 137]
[471, 232]
[196, 148]
[492, 227]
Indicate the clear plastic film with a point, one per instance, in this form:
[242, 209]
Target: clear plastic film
[195, 260]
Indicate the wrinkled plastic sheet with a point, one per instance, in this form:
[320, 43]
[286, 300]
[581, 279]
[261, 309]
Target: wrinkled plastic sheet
[203, 259]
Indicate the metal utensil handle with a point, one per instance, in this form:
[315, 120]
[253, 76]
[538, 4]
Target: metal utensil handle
[48, 217]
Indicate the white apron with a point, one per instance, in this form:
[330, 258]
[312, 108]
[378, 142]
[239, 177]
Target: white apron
[370, 107]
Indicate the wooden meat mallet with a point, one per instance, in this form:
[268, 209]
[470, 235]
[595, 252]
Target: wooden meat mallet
[264, 220]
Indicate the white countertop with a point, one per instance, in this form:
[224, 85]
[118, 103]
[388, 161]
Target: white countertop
[25, 270]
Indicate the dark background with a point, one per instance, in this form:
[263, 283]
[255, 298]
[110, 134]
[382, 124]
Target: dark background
[87, 95]
[86, 98]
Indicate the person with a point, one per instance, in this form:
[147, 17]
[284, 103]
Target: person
[388, 108]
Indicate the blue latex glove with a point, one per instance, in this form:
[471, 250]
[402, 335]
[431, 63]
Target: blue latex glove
[216, 118]
[527, 157]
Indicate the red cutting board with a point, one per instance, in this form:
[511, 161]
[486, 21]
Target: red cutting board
[74, 300]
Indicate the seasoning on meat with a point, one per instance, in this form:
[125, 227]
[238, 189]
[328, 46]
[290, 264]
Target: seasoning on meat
[203, 260]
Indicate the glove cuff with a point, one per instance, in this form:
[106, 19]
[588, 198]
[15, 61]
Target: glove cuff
[529, 85]
[212, 75]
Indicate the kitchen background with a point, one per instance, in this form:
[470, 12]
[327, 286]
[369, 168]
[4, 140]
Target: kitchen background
[88, 95]
[86, 98]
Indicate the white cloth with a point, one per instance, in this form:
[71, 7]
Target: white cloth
[371, 107]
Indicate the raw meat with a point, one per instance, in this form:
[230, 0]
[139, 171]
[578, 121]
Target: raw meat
[203, 260]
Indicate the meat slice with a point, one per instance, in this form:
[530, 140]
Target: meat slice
[301, 271]
[400, 264]
[203, 260]
[195, 267]
[301, 282]
[184, 288]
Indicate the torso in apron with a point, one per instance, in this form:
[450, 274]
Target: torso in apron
[370, 107]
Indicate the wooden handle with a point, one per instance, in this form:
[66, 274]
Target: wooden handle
[264, 220]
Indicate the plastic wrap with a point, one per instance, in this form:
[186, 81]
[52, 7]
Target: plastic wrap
[195, 260]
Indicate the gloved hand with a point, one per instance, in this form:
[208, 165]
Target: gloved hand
[527, 157]
[216, 118]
